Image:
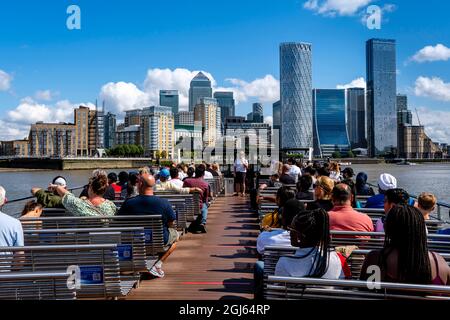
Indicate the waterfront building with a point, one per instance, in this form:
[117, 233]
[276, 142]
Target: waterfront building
[381, 97]
[356, 117]
[132, 117]
[169, 98]
[110, 124]
[330, 130]
[296, 96]
[200, 88]
[404, 116]
[128, 135]
[14, 148]
[52, 140]
[415, 144]
[226, 103]
[184, 118]
[207, 112]
[89, 130]
[156, 131]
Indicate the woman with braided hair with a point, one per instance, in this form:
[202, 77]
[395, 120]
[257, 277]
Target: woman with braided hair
[310, 232]
[405, 257]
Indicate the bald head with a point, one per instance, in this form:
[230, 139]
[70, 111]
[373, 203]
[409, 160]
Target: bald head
[286, 168]
[146, 184]
[342, 195]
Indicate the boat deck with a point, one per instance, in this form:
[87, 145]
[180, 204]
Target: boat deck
[213, 266]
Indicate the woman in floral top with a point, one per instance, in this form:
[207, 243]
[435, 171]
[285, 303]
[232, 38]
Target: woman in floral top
[94, 205]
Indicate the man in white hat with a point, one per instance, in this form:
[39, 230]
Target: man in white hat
[48, 198]
[385, 182]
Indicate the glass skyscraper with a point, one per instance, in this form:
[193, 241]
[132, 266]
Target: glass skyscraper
[109, 130]
[330, 130]
[276, 112]
[225, 100]
[381, 96]
[404, 116]
[356, 117]
[296, 96]
[200, 88]
[169, 98]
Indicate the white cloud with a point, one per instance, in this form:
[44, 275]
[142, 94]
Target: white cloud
[269, 120]
[13, 131]
[434, 88]
[436, 124]
[430, 54]
[44, 95]
[122, 96]
[357, 83]
[264, 90]
[333, 8]
[5, 81]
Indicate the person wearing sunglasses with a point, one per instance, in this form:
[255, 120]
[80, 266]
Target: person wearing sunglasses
[323, 188]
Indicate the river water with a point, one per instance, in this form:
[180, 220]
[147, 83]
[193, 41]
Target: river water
[434, 178]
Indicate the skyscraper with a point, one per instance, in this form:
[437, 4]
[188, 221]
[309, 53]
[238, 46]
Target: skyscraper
[200, 88]
[404, 116]
[330, 130]
[110, 130]
[226, 103]
[381, 96]
[157, 127]
[276, 112]
[169, 98]
[356, 117]
[296, 95]
[208, 114]
[258, 113]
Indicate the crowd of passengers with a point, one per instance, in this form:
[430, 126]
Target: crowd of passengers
[324, 200]
[128, 193]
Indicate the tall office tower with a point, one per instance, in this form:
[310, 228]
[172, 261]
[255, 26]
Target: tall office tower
[132, 117]
[276, 112]
[381, 97]
[110, 124]
[200, 88]
[296, 96]
[169, 98]
[404, 116]
[157, 127]
[226, 103]
[356, 117]
[330, 130]
[208, 114]
[250, 117]
[258, 113]
[184, 118]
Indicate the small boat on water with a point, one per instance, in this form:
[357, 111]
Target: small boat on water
[406, 163]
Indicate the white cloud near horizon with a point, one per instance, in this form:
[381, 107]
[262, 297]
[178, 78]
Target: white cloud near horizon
[436, 123]
[432, 53]
[5, 81]
[434, 88]
[44, 95]
[333, 8]
[357, 83]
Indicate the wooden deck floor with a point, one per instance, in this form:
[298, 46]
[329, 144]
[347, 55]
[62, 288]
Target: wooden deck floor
[213, 266]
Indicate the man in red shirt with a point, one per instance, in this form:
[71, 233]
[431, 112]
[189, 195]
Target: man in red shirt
[343, 217]
[199, 182]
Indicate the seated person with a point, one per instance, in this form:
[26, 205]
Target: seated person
[274, 182]
[131, 189]
[385, 183]
[48, 198]
[32, 209]
[164, 184]
[310, 232]
[303, 186]
[343, 217]
[175, 177]
[426, 203]
[146, 203]
[109, 194]
[405, 257]
[362, 188]
[11, 232]
[285, 177]
[94, 204]
[272, 220]
[392, 198]
[322, 194]
[112, 181]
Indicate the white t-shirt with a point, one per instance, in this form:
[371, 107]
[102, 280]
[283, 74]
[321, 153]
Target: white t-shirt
[273, 238]
[208, 175]
[11, 232]
[240, 164]
[294, 172]
[302, 267]
[177, 182]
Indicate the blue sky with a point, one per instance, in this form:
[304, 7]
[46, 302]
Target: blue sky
[122, 45]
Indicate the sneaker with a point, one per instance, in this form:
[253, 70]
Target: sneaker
[157, 272]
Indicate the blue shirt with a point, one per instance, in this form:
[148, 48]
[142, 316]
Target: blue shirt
[11, 232]
[150, 205]
[375, 202]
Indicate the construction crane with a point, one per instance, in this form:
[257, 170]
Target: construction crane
[418, 119]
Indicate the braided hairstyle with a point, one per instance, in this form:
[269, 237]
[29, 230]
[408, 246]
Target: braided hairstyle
[405, 231]
[313, 229]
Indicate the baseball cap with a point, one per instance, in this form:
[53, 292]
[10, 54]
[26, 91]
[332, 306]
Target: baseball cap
[387, 182]
[164, 173]
[60, 181]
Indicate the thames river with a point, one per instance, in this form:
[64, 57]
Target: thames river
[433, 178]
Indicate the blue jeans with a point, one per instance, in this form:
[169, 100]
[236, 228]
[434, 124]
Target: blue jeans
[258, 278]
[204, 213]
